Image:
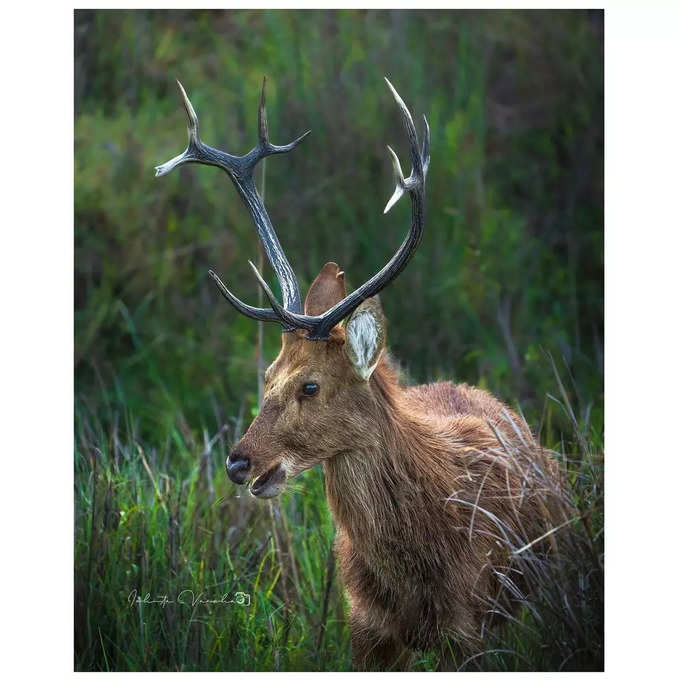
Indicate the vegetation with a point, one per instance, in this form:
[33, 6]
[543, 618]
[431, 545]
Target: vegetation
[509, 274]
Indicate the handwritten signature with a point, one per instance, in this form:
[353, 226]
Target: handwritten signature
[188, 598]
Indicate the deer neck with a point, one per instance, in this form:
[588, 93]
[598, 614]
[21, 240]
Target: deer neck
[375, 491]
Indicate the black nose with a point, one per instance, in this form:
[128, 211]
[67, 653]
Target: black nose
[237, 467]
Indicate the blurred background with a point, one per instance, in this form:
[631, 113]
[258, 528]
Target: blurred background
[505, 291]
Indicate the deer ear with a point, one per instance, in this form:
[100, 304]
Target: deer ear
[327, 289]
[365, 334]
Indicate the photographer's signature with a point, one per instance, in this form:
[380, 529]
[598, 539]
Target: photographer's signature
[189, 598]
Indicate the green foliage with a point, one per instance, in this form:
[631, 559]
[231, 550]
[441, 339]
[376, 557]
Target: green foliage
[145, 525]
[509, 269]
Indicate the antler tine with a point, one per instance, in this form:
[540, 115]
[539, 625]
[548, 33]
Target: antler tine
[398, 178]
[284, 316]
[240, 170]
[262, 125]
[319, 327]
[263, 129]
[192, 123]
[257, 313]
[416, 160]
[194, 145]
[426, 148]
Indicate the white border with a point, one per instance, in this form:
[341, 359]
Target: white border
[642, 156]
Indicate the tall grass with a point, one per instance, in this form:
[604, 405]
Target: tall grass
[146, 529]
[551, 599]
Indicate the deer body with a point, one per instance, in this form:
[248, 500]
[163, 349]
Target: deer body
[413, 574]
[432, 488]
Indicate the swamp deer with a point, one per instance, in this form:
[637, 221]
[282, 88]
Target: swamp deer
[434, 489]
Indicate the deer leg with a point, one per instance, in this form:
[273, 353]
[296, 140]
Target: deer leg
[372, 651]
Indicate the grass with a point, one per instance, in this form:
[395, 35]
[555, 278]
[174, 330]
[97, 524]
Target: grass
[155, 517]
[145, 526]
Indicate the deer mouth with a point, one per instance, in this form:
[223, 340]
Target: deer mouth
[270, 483]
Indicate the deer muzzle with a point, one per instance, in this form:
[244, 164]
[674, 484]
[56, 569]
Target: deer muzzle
[268, 484]
[238, 467]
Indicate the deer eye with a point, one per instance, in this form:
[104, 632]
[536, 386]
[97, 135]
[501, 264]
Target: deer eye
[310, 389]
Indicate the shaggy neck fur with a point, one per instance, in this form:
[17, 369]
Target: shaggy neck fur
[382, 493]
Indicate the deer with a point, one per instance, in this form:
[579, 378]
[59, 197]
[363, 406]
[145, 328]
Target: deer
[433, 488]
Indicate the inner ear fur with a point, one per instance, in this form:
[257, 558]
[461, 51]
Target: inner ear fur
[365, 336]
[327, 289]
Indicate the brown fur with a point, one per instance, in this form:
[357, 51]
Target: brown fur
[327, 289]
[428, 503]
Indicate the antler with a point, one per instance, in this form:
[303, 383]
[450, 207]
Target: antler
[240, 170]
[319, 327]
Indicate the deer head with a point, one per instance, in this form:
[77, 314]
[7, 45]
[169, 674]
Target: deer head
[317, 398]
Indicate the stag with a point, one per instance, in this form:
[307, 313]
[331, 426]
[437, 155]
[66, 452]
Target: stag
[433, 488]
